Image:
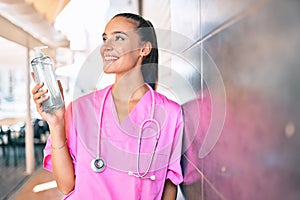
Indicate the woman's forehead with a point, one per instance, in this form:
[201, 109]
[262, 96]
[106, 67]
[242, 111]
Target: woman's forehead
[120, 24]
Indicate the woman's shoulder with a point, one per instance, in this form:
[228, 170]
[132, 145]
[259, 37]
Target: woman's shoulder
[89, 98]
[166, 101]
[86, 103]
[91, 95]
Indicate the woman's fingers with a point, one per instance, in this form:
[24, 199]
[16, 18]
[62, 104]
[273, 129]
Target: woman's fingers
[39, 96]
[36, 88]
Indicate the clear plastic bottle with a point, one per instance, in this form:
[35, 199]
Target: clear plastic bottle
[43, 70]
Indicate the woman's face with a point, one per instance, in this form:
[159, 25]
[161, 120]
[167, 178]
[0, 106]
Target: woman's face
[121, 46]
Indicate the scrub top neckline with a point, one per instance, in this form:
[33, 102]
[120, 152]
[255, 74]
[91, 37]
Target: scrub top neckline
[132, 112]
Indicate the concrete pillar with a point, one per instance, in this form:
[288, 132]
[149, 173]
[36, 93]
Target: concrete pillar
[29, 143]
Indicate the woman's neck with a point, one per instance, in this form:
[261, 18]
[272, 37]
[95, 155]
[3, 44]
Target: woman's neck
[129, 87]
[126, 92]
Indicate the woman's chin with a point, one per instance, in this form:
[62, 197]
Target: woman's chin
[109, 68]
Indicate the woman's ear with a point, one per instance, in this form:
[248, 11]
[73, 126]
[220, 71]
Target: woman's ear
[146, 49]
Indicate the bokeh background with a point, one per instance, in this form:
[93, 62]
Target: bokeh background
[233, 66]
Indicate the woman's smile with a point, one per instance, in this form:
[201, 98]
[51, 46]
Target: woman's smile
[110, 58]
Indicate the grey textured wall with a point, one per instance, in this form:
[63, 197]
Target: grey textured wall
[242, 133]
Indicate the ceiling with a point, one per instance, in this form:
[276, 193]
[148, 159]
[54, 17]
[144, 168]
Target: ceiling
[48, 8]
[30, 22]
[26, 24]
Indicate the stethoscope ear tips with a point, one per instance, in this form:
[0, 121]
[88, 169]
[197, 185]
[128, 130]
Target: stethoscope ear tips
[130, 173]
[152, 177]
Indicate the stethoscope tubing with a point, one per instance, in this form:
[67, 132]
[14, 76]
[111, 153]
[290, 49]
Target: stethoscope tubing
[141, 127]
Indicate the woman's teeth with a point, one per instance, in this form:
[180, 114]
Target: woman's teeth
[109, 58]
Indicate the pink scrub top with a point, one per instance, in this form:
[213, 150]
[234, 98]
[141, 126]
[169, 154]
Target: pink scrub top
[117, 144]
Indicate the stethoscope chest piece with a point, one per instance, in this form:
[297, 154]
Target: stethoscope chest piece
[98, 164]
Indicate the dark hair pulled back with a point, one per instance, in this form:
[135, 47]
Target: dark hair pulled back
[146, 32]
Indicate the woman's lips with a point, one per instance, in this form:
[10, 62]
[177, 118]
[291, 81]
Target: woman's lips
[110, 58]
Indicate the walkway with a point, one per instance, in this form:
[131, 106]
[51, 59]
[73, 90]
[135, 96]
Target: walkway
[15, 183]
[29, 190]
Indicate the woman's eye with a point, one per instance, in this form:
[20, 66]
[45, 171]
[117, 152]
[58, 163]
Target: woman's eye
[119, 38]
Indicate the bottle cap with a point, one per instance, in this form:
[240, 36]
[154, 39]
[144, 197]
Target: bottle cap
[38, 51]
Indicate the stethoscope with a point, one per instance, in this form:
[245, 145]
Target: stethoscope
[98, 164]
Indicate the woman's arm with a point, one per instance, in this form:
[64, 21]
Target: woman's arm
[62, 164]
[170, 191]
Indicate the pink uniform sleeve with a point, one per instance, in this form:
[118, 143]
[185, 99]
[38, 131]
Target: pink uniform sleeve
[71, 140]
[174, 172]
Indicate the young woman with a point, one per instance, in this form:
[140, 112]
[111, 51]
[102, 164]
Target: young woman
[124, 141]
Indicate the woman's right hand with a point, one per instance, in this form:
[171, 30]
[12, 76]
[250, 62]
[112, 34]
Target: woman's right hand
[39, 96]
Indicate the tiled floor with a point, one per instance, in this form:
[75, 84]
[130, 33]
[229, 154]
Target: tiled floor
[12, 169]
[15, 183]
[41, 176]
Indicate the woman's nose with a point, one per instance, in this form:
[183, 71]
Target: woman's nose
[107, 47]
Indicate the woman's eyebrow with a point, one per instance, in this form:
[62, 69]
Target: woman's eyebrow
[116, 32]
